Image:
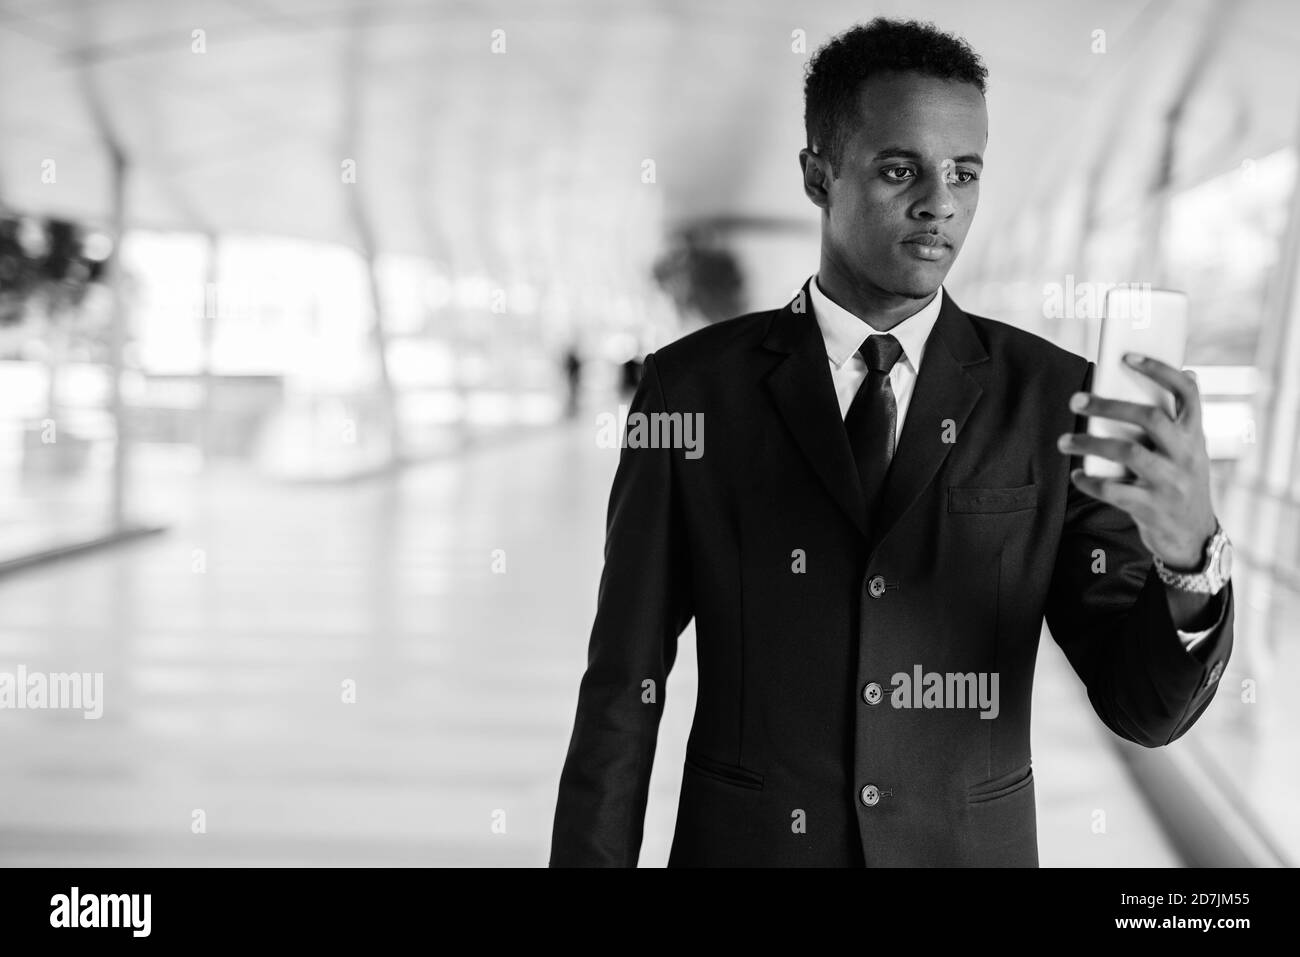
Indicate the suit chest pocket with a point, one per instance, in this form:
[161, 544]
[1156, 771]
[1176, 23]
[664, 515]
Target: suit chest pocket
[992, 500]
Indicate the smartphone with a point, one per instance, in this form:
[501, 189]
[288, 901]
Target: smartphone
[1150, 322]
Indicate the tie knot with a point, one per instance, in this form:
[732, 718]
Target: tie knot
[881, 352]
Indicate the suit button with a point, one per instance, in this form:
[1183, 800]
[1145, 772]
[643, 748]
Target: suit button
[876, 587]
[871, 795]
[872, 694]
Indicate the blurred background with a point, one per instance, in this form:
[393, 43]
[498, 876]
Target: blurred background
[310, 311]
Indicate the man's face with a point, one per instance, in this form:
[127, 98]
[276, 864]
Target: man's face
[897, 213]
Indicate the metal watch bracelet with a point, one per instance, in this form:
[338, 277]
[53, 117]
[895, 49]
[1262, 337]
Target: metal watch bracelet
[1213, 573]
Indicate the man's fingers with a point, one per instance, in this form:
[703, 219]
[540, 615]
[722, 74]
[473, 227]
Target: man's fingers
[1147, 465]
[1181, 384]
[1134, 499]
[1155, 421]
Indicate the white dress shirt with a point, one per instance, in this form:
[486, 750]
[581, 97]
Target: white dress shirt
[844, 333]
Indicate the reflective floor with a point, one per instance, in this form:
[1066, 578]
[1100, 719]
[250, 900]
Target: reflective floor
[456, 601]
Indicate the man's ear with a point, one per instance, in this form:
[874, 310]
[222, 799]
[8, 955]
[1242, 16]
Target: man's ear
[816, 177]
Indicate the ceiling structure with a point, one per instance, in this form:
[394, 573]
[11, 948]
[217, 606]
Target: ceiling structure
[513, 137]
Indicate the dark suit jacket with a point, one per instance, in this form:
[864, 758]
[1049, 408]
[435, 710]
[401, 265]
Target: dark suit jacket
[980, 536]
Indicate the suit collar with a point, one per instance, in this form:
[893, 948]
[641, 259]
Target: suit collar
[942, 400]
[790, 330]
[844, 332]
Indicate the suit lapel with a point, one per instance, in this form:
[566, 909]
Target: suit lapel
[944, 391]
[804, 393]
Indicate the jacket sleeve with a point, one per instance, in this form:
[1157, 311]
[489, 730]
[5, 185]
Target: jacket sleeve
[1108, 611]
[643, 605]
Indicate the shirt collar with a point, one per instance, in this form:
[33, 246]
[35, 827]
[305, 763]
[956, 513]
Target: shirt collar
[844, 332]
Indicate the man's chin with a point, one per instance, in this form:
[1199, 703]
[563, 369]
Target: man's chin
[916, 287]
[906, 278]
[918, 280]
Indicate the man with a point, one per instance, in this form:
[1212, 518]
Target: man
[880, 520]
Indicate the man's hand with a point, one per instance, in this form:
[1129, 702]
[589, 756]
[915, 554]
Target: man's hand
[1169, 498]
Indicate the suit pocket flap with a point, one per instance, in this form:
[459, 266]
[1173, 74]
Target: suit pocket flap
[992, 499]
[729, 773]
[1000, 786]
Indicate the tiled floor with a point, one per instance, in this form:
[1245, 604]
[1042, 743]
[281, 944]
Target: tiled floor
[226, 644]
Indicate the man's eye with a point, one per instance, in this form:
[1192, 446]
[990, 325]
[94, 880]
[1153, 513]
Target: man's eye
[969, 174]
[891, 170]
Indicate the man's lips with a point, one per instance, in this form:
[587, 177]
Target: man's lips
[928, 239]
[931, 247]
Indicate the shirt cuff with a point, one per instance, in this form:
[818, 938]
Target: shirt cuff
[1191, 639]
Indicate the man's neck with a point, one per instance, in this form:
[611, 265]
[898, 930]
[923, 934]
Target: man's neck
[879, 309]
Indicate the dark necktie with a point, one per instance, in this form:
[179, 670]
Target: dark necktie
[873, 416]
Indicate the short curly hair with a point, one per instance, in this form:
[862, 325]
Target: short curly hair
[838, 69]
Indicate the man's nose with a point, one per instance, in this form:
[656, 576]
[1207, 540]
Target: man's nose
[937, 203]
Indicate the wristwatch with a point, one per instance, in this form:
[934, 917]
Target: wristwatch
[1213, 573]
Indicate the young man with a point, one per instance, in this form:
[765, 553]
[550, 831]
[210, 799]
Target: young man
[880, 520]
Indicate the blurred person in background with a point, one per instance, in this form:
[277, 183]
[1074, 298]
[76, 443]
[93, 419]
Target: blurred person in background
[629, 376]
[572, 362]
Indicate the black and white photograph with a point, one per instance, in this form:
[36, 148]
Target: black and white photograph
[558, 434]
